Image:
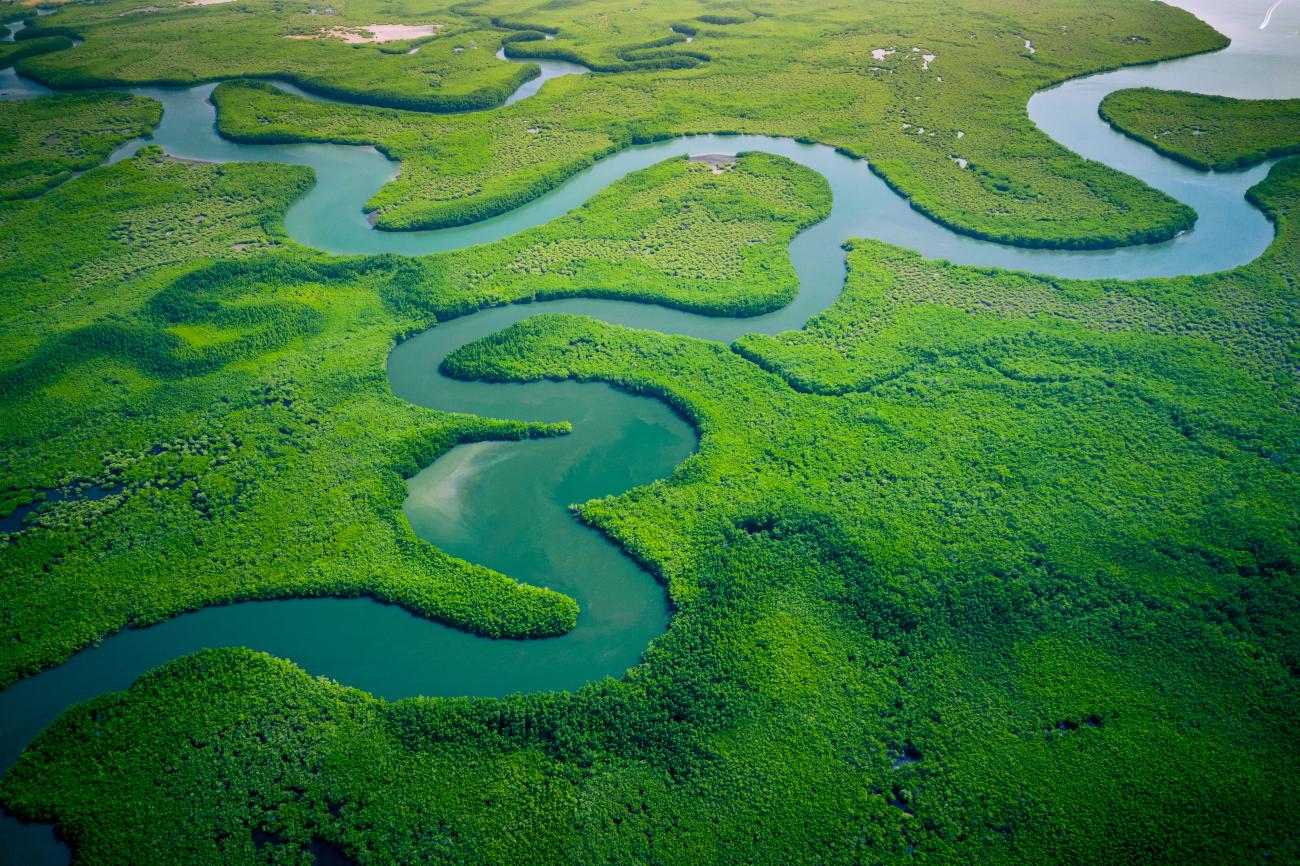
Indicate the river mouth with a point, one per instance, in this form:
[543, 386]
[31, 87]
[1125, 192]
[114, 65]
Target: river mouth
[394, 654]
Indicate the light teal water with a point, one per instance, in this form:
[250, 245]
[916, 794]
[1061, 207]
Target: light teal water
[504, 505]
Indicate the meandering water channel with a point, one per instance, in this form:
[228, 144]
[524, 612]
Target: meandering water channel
[504, 504]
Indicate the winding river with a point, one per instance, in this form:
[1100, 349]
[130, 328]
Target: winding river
[504, 504]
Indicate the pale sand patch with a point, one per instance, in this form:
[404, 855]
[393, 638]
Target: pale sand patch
[881, 53]
[717, 162]
[926, 59]
[152, 9]
[371, 33]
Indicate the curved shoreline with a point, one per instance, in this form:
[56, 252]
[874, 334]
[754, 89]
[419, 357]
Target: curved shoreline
[859, 209]
[331, 216]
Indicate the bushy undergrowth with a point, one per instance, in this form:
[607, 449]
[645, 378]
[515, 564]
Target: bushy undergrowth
[805, 72]
[126, 44]
[12, 52]
[44, 140]
[977, 567]
[1031, 598]
[184, 322]
[1209, 132]
[884, 322]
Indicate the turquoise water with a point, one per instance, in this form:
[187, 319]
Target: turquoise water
[505, 505]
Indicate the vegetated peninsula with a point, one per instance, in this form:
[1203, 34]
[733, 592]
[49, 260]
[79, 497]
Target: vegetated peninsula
[1209, 132]
[953, 558]
[48, 138]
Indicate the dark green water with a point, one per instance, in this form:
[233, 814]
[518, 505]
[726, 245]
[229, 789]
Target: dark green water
[504, 505]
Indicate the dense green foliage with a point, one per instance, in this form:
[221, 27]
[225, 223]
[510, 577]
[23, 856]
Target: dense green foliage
[1209, 132]
[1055, 567]
[456, 70]
[606, 37]
[675, 234]
[12, 52]
[979, 566]
[223, 399]
[885, 322]
[43, 141]
[806, 72]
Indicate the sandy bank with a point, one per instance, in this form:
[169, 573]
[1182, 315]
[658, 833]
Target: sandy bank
[371, 33]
